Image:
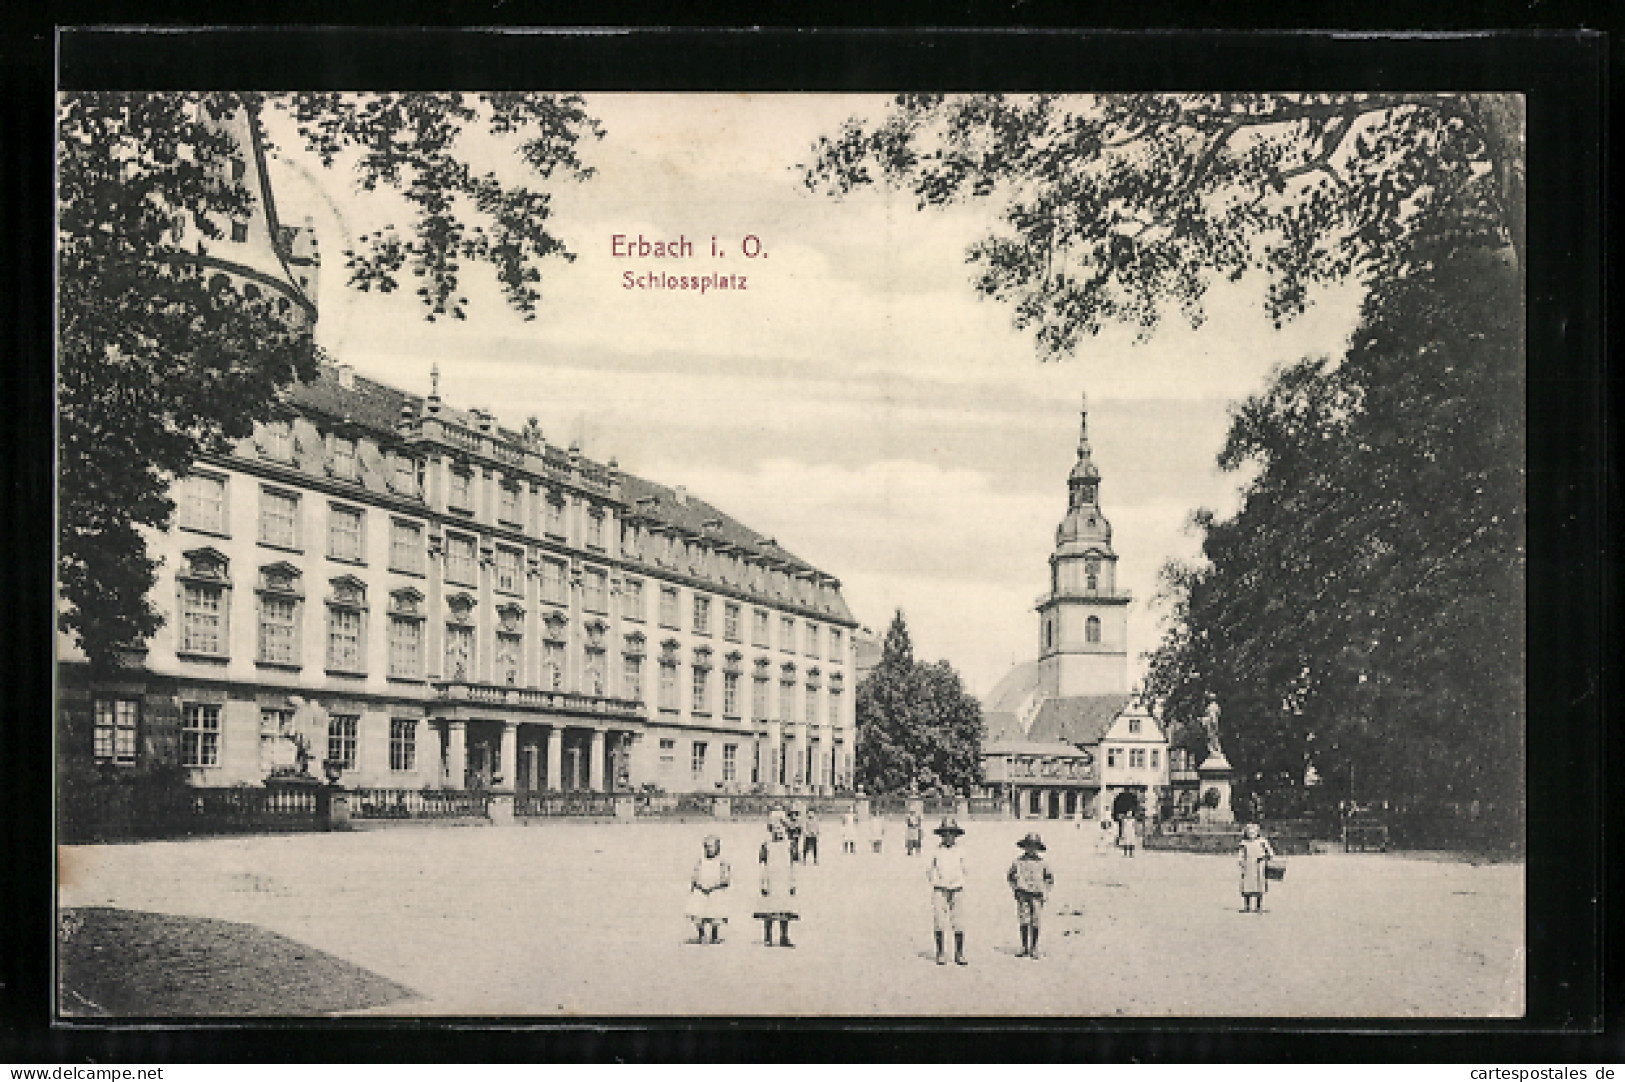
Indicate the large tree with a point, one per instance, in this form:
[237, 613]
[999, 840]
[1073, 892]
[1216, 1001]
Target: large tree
[1117, 207]
[918, 729]
[1363, 612]
[157, 364]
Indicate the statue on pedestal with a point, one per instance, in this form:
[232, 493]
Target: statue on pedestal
[1210, 728]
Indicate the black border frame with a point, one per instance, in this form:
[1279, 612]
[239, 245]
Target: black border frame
[1573, 588]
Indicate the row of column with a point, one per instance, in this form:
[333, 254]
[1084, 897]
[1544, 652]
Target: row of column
[508, 756]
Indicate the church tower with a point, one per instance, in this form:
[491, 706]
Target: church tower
[1083, 620]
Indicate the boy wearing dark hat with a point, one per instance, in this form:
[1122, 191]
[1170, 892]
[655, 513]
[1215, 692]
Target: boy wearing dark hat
[1031, 880]
[947, 877]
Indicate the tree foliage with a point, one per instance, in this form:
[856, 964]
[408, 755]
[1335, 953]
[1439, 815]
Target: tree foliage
[1115, 207]
[1363, 612]
[160, 362]
[917, 727]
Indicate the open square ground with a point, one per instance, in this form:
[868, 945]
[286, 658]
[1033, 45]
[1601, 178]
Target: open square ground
[559, 919]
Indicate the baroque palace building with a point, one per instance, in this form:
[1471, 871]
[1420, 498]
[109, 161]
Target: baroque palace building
[419, 597]
[1065, 737]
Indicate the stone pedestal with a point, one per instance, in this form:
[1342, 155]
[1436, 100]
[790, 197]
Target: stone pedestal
[962, 807]
[499, 807]
[626, 808]
[1215, 773]
[722, 807]
[337, 806]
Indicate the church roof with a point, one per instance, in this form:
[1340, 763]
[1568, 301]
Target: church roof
[1079, 719]
[1010, 693]
[1000, 725]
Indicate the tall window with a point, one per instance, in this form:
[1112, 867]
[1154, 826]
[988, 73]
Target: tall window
[508, 503]
[459, 652]
[758, 697]
[697, 760]
[1156, 758]
[593, 670]
[343, 458]
[1136, 759]
[758, 627]
[595, 590]
[507, 659]
[1091, 629]
[405, 479]
[632, 677]
[835, 644]
[406, 547]
[812, 639]
[730, 762]
[787, 634]
[460, 561]
[344, 639]
[553, 520]
[342, 730]
[279, 641]
[595, 529]
[834, 706]
[113, 738]
[668, 685]
[279, 518]
[730, 695]
[702, 615]
[1091, 571]
[203, 618]
[1111, 757]
[509, 580]
[344, 533]
[702, 690]
[812, 705]
[730, 621]
[403, 745]
[554, 589]
[553, 665]
[406, 647]
[457, 495]
[787, 698]
[274, 722]
[668, 606]
[203, 503]
[200, 734]
[632, 599]
[276, 441]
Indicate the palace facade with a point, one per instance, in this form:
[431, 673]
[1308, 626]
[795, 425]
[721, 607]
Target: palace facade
[412, 595]
[1065, 738]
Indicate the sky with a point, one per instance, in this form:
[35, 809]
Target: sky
[858, 400]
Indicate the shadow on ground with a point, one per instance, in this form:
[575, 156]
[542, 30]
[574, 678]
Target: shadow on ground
[129, 964]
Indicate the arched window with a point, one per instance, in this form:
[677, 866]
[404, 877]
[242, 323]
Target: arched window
[1091, 629]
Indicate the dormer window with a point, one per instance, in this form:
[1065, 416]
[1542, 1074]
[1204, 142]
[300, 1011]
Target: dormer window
[342, 463]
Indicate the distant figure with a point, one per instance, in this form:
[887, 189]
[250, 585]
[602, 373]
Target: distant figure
[1255, 853]
[792, 829]
[914, 834]
[809, 838]
[1210, 728]
[877, 832]
[947, 878]
[1128, 834]
[778, 884]
[1031, 880]
[710, 879]
[849, 832]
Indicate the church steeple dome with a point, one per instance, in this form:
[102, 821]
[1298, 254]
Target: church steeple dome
[1084, 521]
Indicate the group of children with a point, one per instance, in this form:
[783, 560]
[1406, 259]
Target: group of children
[1029, 877]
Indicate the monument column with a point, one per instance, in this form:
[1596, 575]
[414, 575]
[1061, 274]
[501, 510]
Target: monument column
[555, 759]
[595, 762]
[456, 755]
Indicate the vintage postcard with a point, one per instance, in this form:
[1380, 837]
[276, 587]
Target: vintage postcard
[730, 554]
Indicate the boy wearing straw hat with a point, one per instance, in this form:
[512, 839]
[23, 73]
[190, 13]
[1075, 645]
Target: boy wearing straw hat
[947, 878]
[1031, 880]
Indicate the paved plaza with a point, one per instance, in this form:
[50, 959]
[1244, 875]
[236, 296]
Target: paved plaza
[562, 919]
